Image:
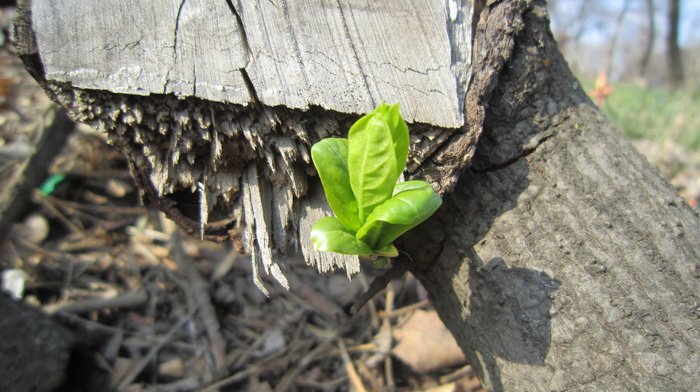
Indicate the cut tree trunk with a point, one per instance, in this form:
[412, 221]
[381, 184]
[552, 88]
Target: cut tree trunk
[216, 104]
[560, 259]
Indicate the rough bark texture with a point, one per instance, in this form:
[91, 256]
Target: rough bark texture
[562, 260]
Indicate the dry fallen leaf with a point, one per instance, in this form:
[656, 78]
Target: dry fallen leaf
[172, 368]
[425, 344]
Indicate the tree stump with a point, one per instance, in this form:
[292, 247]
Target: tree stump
[217, 104]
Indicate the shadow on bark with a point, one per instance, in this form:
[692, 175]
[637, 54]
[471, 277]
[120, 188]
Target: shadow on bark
[494, 308]
[509, 308]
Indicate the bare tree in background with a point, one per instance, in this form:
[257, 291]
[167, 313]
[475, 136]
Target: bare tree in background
[615, 36]
[651, 36]
[570, 31]
[674, 50]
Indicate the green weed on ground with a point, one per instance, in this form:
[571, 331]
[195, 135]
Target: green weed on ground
[654, 113]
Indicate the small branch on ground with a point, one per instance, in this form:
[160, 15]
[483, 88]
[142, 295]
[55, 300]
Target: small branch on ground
[378, 284]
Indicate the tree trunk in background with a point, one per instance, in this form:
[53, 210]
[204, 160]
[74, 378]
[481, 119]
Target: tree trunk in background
[615, 36]
[675, 59]
[570, 30]
[560, 260]
[651, 36]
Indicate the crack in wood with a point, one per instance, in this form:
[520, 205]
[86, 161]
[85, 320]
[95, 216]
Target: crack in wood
[248, 53]
[356, 56]
[250, 87]
[525, 153]
[241, 30]
[175, 39]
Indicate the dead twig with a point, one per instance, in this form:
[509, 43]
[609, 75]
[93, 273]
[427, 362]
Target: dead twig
[138, 366]
[242, 375]
[127, 300]
[200, 291]
[378, 284]
[184, 385]
[288, 378]
[382, 339]
[388, 372]
[83, 211]
[112, 210]
[39, 198]
[256, 368]
[316, 301]
[465, 371]
[349, 368]
[406, 309]
[13, 197]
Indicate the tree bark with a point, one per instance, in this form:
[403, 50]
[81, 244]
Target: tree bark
[675, 59]
[560, 259]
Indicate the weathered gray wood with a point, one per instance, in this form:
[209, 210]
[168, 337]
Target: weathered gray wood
[190, 48]
[313, 208]
[289, 53]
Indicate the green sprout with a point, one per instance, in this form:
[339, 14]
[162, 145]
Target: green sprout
[359, 177]
[49, 185]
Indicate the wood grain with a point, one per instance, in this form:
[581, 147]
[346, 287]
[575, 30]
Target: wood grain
[345, 56]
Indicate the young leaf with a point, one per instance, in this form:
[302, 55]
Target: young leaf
[330, 156]
[399, 133]
[359, 177]
[329, 235]
[371, 162]
[387, 250]
[380, 262]
[398, 215]
[411, 186]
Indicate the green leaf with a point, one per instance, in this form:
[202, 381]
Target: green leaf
[399, 133]
[330, 156]
[411, 186]
[329, 234]
[359, 178]
[388, 250]
[371, 162]
[380, 262]
[399, 214]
